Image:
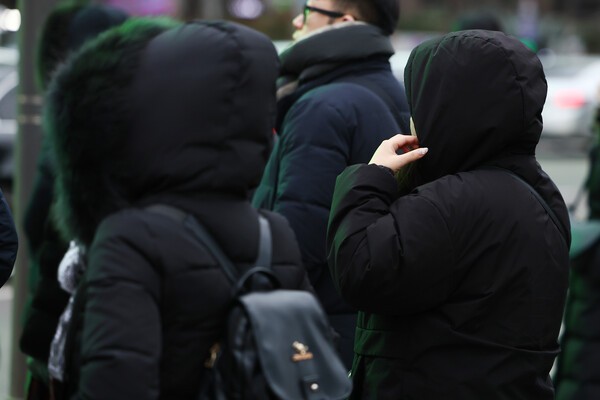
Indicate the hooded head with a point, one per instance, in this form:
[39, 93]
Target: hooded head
[151, 110]
[67, 27]
[481, 20]
[474, 96]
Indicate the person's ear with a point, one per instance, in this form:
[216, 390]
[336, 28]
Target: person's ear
[348, 17]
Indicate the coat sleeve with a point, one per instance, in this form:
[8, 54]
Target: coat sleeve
[8, 241]
[312, 151]
[387, 255]
[121, 342]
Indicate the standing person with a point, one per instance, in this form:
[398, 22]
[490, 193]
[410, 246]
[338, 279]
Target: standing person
[178, 115]
[577, 373]
[337, 100]
[460, 274]
[478, 20]
[8, 241]
[67, 27]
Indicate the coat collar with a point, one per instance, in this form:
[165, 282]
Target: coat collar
[328, 48]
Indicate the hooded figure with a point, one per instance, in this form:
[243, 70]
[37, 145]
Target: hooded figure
[460, 272]
[156, 113]
[577, 373]
[67, 27]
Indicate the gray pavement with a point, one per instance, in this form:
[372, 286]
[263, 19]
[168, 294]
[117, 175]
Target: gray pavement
[564, 160]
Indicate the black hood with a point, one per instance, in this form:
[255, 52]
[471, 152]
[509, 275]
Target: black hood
[475, 96]
[203, 106]
[148, 115]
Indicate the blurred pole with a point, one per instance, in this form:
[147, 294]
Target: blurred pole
[33, 14]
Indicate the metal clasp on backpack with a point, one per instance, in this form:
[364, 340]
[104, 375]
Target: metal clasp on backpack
[214, 351]
[302, 353]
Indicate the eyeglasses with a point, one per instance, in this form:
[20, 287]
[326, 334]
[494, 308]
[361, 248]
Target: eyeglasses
[329, 13]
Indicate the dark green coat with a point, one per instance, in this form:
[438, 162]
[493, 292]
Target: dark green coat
[578, 368]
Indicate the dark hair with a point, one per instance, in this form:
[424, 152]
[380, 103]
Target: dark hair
[67, 27]
[481, 20]
[382, 13]
[87, 102]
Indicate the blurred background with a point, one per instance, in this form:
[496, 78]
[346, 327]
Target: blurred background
[565, 35]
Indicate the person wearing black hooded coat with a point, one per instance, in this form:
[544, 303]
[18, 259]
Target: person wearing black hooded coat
[459, 271]
[179, 115]
[9, 242]
[67, 27]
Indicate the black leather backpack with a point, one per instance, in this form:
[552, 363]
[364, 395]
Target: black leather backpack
[278, 343]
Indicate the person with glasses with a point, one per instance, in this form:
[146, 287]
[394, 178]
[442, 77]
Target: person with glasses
[337, 100]
[314, 16]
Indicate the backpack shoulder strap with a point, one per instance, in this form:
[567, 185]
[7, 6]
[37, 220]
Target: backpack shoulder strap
[200, 232]
[262, 264]
[265, 245]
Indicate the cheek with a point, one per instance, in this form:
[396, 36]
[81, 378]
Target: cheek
[316, 21]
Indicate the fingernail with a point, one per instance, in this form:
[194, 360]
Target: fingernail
[423, 150]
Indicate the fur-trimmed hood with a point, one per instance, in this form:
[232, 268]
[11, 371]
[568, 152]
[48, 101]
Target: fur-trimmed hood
[152, 112]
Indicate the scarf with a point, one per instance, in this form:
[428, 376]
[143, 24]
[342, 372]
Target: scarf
[331, 47]
[325, 55]
[70, 271]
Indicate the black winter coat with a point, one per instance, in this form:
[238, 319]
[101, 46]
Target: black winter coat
[577, 374]
[461, 282]
[8, 241]
[152, 300]
[46, 249]
[64, 31]
[347, 101]
[155, 300]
